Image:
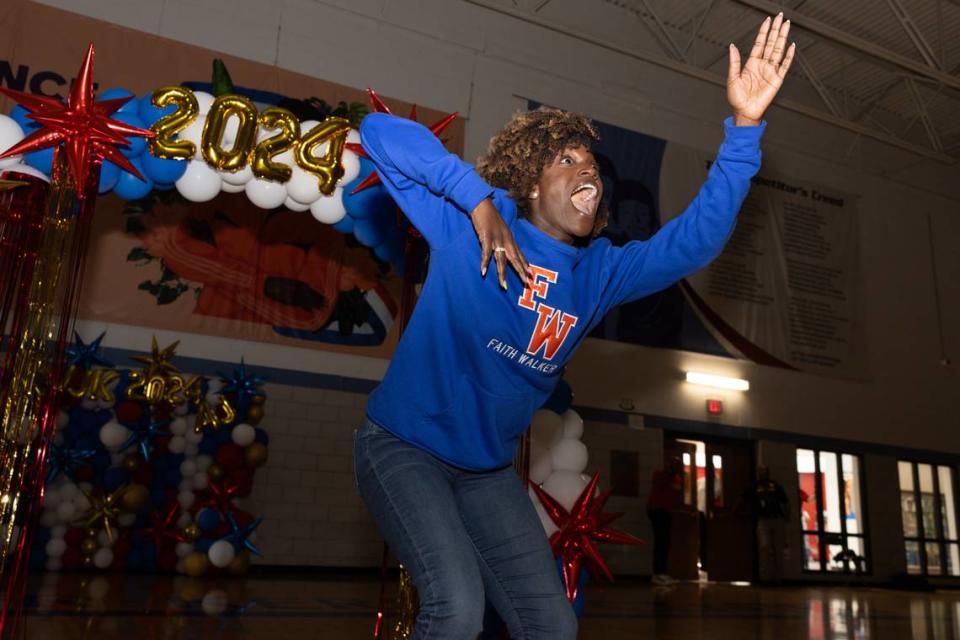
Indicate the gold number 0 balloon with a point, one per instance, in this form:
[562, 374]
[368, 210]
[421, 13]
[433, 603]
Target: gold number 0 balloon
[163, 145]
[222, 109]
[327, 167]
[289, 126]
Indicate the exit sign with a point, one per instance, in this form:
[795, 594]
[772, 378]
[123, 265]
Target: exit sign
[714, 407]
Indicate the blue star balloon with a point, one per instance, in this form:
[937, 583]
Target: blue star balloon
[241, 383]
[143, 436]
[84, 355]
[239, 536]
[65, 460]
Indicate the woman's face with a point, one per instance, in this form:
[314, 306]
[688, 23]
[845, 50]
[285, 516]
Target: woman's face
[565, 199]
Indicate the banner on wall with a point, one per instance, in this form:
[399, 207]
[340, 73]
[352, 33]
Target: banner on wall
[785, 291]
[224, 267]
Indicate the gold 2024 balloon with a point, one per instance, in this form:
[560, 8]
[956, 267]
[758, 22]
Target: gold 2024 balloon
[329, 137]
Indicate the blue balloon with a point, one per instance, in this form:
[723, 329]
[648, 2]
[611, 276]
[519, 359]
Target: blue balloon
[172, 477]
[208, 519]
[132, 105]
[163, 186]
[158, 495]
[115, 478]
[391, 250]
[101, 460]
[130, 187]
[203, 544]
[261, 436]
[137, 144]
[41, 160]
[109, 174]
[149, 113]
[345, 225]
[208, 446]
[162, 171]
[19, 114]
[222, 436]
[369, 203]
[371, 232]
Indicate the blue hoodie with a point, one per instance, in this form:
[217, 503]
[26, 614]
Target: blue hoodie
[476, 361]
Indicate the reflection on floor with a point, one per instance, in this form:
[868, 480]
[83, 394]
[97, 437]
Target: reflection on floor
[341, 605]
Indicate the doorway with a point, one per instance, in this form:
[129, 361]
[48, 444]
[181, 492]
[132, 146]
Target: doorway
[709, 533]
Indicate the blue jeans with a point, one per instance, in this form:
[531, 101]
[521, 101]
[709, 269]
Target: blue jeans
[463, 536]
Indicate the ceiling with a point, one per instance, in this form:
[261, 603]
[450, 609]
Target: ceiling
[886, 69]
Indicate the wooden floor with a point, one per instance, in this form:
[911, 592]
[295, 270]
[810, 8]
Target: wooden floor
[332, 605]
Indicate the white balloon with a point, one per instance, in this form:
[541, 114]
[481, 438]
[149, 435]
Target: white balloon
[88, 404]
[68, 490]
[184, 520]
[565, 487]
[351, 167]
[103, 558]
[293, 205]
[10, 134]
[48, 518]
[192, 436]
[329, 209]
[177, 444]
[104, 539]
[63, 419]
[203, 462]
[194, 133]
[230, 129]
[204, 100]
[186, 498]
[181, 409]
[569, 455]
[303, 187]
[236, 178]
[184, 549]
[243, 434]
[191, 449]
[81, 503]
[215, 602]
[25, 169]
[546, 428]
[265, 193]
[221, 553]
[54, 564]
[178, 426]
[58, 530]
[126, 519]
[66, 511]
[200, 481]
[353, 136]
[540, 468]
[188, 468]
[226, 187]
[200, 182]
[214, 385]
[572, 425]
[51, 498]
[55, 547]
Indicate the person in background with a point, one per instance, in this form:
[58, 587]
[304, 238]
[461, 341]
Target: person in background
[666, 486]
[767, 502]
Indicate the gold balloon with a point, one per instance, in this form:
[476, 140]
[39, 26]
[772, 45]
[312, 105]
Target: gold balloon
[222, 109]
[240, 564]
[263, 164]
[134, 497]
[254, 414]
[215, 471]
[195, 564]
[328, 168]
[92, 384]
[163, 144]
[191, 589]
[132, 462]
[155, 389]
[256, 400]
[89, 546]
[192, 532]
[256, 454]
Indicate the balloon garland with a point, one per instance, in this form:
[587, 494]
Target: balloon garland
[148, 465]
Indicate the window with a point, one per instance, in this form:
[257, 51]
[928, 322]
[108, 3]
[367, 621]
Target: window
[831, 511]
[928, 507]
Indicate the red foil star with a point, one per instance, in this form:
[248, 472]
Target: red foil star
[380, 106]
[163, 529]
[584, 524]
[221, 496]
[84, 127]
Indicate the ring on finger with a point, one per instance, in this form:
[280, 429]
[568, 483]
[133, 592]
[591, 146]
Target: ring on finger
[499, 249]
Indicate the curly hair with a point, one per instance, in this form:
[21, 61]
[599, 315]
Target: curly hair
[531, 140]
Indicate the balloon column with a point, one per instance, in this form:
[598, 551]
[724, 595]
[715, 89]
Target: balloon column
[148, 466]
[566, 499]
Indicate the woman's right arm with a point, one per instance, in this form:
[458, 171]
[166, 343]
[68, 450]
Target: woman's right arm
[442, 195]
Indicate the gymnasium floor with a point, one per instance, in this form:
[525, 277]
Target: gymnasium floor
[341, 605]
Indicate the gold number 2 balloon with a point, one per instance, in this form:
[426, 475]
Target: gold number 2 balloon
[163, 145]
[327, 167]
[222, 109]
[263, 164]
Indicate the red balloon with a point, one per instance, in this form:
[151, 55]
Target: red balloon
[74, 536]
[243, 518]
[230, 456]
[167, 560]
[143, 475]
[82, 474]
[71, 559]
[243, 478]
[129, 412]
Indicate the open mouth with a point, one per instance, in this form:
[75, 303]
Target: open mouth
[584, 198]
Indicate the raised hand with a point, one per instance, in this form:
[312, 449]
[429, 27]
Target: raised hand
[497, 241]
[750, 90]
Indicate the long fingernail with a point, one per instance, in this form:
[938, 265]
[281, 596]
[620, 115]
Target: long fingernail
[483, 272]
[503, 283]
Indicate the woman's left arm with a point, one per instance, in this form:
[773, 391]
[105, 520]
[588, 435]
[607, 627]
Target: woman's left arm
[692, 240]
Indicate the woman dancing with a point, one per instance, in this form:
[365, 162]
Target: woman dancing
[480, 355]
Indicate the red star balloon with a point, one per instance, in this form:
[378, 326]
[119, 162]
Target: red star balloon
[584, 524]
[380, 106]
[84, 127]
[163, 528]
[220, 497]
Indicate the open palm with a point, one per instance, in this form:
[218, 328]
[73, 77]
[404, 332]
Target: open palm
[751, 89]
